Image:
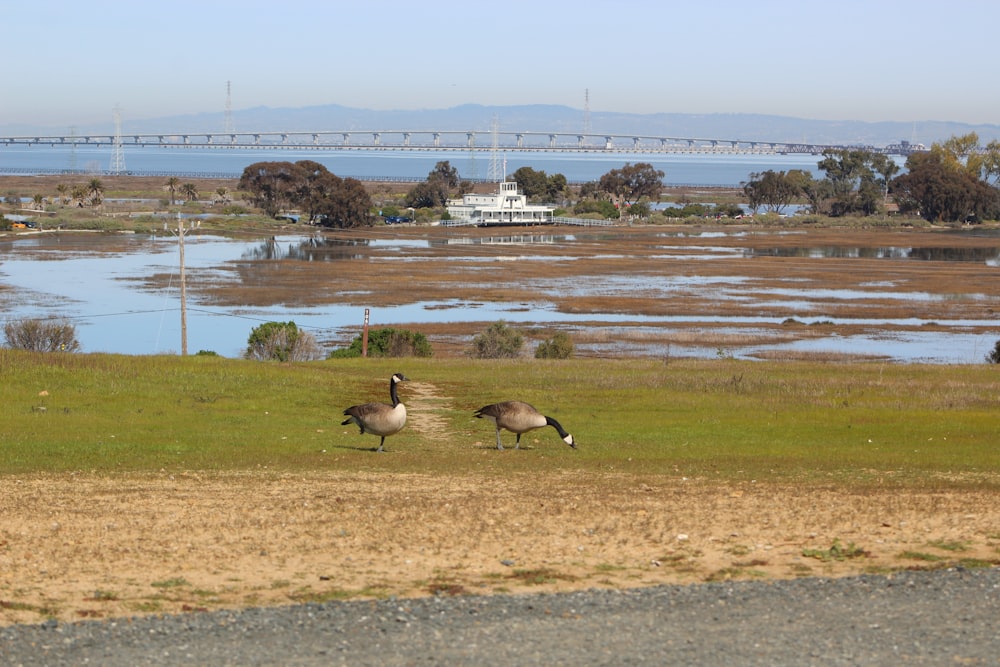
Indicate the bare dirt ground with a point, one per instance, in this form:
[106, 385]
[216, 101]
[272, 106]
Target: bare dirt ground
[82, 546]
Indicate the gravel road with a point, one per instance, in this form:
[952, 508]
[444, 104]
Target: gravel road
[949, 617]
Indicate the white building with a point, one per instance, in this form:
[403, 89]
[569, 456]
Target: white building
[507, 206]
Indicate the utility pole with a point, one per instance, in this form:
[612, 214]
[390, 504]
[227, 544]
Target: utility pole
[184, 332]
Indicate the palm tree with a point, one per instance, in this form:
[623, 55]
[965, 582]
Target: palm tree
[95, 190]
[190, 191]
[172, 184]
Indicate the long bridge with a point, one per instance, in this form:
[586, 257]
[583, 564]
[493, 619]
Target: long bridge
[444, 140]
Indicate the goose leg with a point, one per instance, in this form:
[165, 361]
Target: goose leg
[517, 445]
[499, 444]
[380, 444]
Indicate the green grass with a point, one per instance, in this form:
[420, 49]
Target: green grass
[824, 423]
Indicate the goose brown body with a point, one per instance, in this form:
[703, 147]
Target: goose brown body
[381, 419]
[519, 417]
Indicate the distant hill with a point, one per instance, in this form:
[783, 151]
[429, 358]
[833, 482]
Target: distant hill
[547, 118]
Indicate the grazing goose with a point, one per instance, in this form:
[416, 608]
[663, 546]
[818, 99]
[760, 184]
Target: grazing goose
[519, 417]
[379, 418]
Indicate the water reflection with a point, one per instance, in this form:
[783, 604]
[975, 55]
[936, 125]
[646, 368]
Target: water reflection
[989, 256]
[512, 239]
[312, 249]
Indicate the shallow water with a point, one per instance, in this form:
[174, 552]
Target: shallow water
[99, 282]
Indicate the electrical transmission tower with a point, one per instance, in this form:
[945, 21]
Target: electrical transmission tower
[72, 148]
[118, 153]
[586, 113]
[229, 108]
[494, 174]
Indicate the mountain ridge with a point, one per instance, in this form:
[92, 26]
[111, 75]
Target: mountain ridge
[541, 118]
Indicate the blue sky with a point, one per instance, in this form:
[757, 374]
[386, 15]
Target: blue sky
[72, 63]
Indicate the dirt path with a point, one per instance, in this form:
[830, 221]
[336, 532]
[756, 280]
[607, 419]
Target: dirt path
[424, 406]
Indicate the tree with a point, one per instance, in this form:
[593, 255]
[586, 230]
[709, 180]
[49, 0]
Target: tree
[327, 199]
[941, 190]
[281, 341]
[41, 335]
[886, 168]
[435, 190]
[171, 186]
[498, 342]
[272, 185]
[853, 185]
[315, 189]
[994, 356]
[426, 194]
[538, 185]
[772, 190]
[531, 183]
[445, 173]
[348, 205]
[190, 191]
[95, 191]
[627, 185]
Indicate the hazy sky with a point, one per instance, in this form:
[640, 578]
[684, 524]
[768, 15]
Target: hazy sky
[71, 63]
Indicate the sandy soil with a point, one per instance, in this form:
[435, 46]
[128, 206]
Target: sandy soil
[83, 546]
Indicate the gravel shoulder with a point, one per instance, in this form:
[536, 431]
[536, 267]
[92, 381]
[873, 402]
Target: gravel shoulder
[913, 618]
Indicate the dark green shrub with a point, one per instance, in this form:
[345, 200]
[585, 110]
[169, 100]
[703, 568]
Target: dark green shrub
[281, 341]
[558, 347]
[388, 342]
[498, 342]
[994, 356]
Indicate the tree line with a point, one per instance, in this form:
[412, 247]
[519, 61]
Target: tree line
[954, 181]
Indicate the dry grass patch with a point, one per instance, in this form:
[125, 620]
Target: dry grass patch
[113, 545]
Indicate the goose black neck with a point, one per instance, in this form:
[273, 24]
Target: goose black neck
[557, 426]
[392, 392]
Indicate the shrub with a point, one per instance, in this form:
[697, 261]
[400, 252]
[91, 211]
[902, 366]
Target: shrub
[281, 341]
[388, 343]
[994, 356]
[558, 347]
[41, 335]
[498, 342]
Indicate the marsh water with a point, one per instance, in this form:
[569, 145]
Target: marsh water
[122, 291]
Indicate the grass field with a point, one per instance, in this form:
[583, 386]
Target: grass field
[721, 419]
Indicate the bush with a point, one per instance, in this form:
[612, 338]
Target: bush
[994, 356]
[387, 343]
[558, 347]
[498, 342]
[281, 341]
[41, 335]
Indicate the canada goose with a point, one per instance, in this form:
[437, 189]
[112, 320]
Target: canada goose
[380, 418]
[519, 417]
